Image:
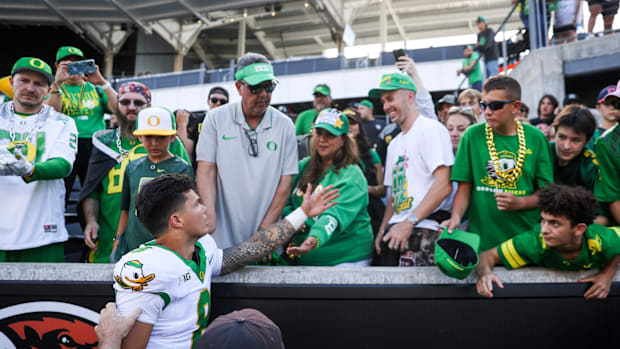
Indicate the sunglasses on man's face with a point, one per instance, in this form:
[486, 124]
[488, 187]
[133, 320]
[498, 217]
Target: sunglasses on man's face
[494, 105]
[255, 89]
[613, 102]
[136, 102]
[216, 100]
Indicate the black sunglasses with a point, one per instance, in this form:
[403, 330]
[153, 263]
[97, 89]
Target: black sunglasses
[215, 100]
[614, 102]
[136, 102]
[253, 147]
[255, 89]
[495, 105]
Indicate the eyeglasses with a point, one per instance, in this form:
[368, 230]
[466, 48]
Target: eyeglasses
[127, 102]
[461, 110]
[614, 102]
[215, 100]
[253, 138]
[255, 89]
[494, 105]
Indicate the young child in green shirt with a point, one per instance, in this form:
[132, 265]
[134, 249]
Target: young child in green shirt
[156, 129]
[499, 166]
[566, 239]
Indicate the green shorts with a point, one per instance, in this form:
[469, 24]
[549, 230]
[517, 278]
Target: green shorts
[53, 253]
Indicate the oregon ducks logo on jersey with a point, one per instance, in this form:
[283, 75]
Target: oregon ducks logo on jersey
[400, 185]
[132, 276]
[508, 162]
[22, 149]
[595, 245]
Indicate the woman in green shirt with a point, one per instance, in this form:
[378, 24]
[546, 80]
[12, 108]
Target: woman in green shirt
[342, 235]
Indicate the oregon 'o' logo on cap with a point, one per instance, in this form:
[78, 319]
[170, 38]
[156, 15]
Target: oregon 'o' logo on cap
[272, 146]
[72, 50]
[153, 121]
[37, 63]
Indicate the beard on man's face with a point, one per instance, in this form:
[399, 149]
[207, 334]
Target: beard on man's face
[126, 125]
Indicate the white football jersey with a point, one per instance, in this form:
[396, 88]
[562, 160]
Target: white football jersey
[33, 214]
[174, 293]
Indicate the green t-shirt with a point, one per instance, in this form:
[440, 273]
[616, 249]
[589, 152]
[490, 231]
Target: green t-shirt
[476, 74]
[108, 192]
[607, 148]
[88, 110]
[471, 165]
[600, 244]
[343, 231]
[137, 174]
[582, 170]
[303, 123]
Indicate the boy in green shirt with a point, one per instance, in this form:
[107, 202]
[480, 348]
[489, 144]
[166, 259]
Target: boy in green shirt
[471, 68]
[566, 239]
[156, 129]
[500, 164]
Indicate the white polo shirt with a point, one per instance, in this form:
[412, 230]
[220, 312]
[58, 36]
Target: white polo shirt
[246, 185]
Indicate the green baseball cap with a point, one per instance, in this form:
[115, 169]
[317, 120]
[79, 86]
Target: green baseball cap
[33, 64]
[332, 120]
[481, 19]
[322, 89]
[256, 73]
[367, 103]
[67, 51]
[456, 254]
[390, 82]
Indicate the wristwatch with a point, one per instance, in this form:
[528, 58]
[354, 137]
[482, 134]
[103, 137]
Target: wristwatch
[413, 219]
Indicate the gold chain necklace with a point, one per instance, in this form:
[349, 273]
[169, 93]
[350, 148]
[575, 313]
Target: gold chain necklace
[516, 172]
[73, 108]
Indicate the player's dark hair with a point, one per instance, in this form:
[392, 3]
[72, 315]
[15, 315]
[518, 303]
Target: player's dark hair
[160, 198]
[575, 203]
[508, 84]
[577, 117]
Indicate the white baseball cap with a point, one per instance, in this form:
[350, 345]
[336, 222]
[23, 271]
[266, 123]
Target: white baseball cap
[156, 121]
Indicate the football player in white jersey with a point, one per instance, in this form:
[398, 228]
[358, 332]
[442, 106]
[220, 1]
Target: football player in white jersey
[37, 147]
[170, 277]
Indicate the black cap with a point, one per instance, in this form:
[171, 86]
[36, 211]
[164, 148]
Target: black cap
[218, 89]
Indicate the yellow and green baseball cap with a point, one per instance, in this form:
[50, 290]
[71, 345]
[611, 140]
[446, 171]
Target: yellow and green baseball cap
[33, 64]
[456, 254]
[256, 73]
[390, 82]
[367, 103]
[155, 121]
[67, 51]
[332, 120]
[322, 89]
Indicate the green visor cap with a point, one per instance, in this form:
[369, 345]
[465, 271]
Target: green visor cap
[67, 51]
[367, 103]
[456, 254]
[33, 64]
[322, 89]
[332, 120]
[390, 82]
[256, 73]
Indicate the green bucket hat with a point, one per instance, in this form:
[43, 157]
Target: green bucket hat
[332, 120]
[390, 82]
[33, 64]
[367, 103]
[322, 89]
[456, 254]
[67, 51]
[255, 73]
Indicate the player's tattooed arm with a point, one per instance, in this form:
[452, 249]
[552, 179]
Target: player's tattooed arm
[263, 242]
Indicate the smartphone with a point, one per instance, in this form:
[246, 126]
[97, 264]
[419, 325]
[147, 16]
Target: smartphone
[398, 53]
[82, 67]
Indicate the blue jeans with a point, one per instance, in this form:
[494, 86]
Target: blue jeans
[491, 68]
[476, 85]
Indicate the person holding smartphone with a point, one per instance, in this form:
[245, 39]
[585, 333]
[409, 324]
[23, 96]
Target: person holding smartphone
[83, 97]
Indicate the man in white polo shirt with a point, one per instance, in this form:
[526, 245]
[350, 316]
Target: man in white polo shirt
[247, 156]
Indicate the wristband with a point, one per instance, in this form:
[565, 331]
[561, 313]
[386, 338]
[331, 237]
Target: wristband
[105, 86]
[297, 218]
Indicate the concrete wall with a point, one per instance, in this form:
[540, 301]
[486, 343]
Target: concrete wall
[153, 54]
[542, 71]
